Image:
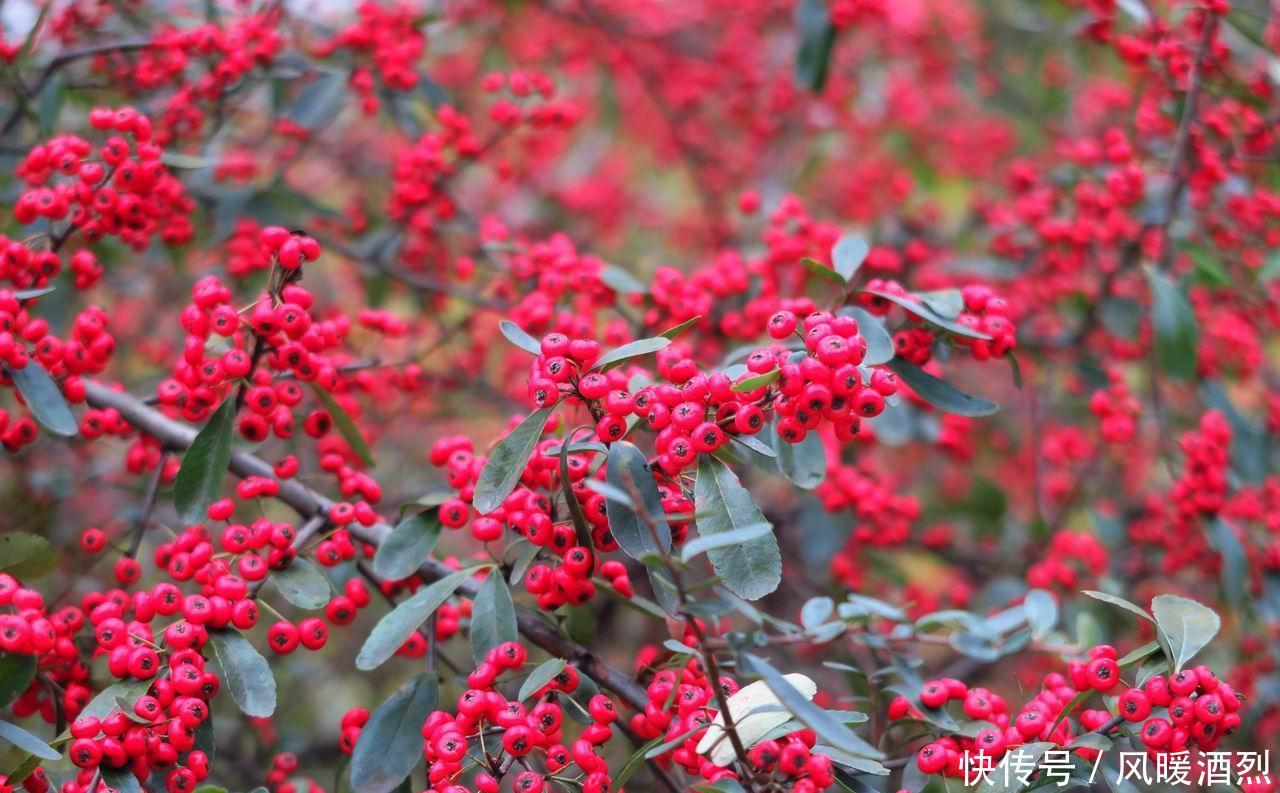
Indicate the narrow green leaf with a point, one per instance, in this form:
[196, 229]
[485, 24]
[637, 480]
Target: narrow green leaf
[759, 381]
[104, 704]
[245, 672]
[1187, 626]
[672, 333]
[516, 335]
[823, 271]
[817, 38]
[408, 546]
[706, 543]
[44, 398]
[12, 733]
[25, 556]
[1234, 575]
[399, 624]
[390, 745]
[621, 281]
[828, 727]
[302, 584]
[848, 254]
[756, 445]
[16, 673]
[738, 540]
[927, 314]
[631, 350]
[1176, 330]
[1119, 602]
[939, 392]
[1141, 654]
[346, 425]
[32, 294]
[493, 616]
[629, 473]
[633, 764]
[204, 467]
[541, 675]
[506, 463]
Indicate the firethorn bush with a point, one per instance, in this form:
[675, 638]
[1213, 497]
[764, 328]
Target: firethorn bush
[589, 395]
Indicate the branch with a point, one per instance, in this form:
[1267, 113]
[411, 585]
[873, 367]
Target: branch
[308, 503]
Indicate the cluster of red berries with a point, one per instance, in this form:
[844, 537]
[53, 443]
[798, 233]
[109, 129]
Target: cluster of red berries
[87, 351]
[391, 34]
[1072, 561]
[1201, 708]
[159, 734]
[981, 311]
[119, 189]
[566, 576]
[1117, 410]
[514, 730]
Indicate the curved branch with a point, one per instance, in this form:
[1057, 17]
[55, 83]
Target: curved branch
[308, 503]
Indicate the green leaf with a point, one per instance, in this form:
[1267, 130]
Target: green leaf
[104, 704]
[27, 742]
[25, 556]
[245, 672]
[828, 727]
[939, 392]
[738, 540]
[44, 398]
[1207, 269]
[493, 616]
[1042, 612]
[516, 335]
[390, 744]
[204, 467]
[1234, 576]
[946, 303]
[706, 543]
[629, 473]
[674, 332]
[505, 466]
[1176, 330]
[1141, 654]
[120, 779]
[848, 254]
[927, 314]
[816, 611]
[350, 432]
[320, 101]
[1187, 626]
[408, 546]
[879, 343]
[759, 381]
[630, 350]
[302, 584]
[621, 281]
[633, 764]
[822, 271]
[398, 625]
[817, 37]
[1119, 602]
[544, 673]
[756, 445]
[32, 294]
[16, 673]
[804, 464]
[579, 623]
